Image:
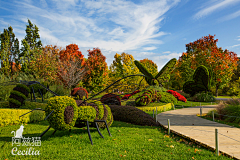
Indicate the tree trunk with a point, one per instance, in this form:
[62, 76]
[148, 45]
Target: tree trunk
[216, 90]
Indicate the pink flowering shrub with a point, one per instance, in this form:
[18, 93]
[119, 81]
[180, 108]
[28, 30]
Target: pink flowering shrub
[178, 96]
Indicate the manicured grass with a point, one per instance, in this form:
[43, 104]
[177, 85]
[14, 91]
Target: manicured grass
[226, 97]
[128, 141]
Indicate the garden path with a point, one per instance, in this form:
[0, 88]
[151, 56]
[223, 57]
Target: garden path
[185, 122]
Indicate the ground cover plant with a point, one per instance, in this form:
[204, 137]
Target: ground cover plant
[224, 111]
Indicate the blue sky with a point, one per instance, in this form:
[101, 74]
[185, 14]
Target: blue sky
[153, 29]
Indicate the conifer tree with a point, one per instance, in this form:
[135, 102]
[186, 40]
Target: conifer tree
[32, 46]
[9, 51]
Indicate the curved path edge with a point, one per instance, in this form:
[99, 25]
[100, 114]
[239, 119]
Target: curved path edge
[185, 123]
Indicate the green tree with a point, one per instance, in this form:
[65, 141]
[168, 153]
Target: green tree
[182, 71]
[123, 66]
[96, 78]
[32, 47]
[9, 51]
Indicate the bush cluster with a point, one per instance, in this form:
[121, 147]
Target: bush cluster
[177, 95]
[168, 98]
[203, 97]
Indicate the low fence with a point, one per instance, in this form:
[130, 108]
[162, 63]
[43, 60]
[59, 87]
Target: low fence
[216, 149]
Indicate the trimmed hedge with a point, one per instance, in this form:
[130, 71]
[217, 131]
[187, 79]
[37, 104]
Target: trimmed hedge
[11, 116]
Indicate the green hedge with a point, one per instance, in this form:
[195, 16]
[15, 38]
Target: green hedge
[11, 116]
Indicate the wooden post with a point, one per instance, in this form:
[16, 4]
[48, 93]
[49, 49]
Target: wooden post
[164, 108]
[213, 115]
[216, 142]
[156, 114]
[200, 111]
[168, 126]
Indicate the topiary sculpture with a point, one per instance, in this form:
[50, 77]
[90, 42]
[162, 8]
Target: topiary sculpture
[151, 80]
[199, 83]
[147, 97]
[103, 112]
[132, 115]
[111, 99]
[79, 93]
[64, 114]
[18, 96]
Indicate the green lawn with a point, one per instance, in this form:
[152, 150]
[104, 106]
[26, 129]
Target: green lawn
[128, 141]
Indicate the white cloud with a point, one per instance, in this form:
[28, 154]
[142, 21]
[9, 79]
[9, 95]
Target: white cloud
[167, 52]
[230, 16]
[235, 45]
[150, 48]
[213, 6]
[114, 26]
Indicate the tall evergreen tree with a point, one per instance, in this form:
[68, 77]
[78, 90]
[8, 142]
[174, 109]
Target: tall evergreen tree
[9, 51]
[32, 47]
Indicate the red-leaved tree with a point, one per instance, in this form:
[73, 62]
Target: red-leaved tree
[71, 66]
[205, 52]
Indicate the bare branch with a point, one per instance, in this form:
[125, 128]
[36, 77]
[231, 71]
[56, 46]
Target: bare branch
[71, 72]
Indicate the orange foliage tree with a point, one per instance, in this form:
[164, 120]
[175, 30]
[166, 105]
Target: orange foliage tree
[96, 78]
[71, 66]
[205, 52]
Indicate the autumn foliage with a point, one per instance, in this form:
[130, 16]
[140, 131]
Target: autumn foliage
[150, 65]
[205, 52]
[95, 79]
[46, 64]
[70, 60]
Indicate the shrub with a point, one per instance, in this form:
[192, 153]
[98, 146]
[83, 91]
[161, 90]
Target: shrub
[177, 95]
[168, 98]
[59, 89]
[203, 97]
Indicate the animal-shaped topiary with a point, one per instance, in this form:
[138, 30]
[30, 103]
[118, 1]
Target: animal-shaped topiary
[79, 93]
[101, 112]
[18, 96]
[37, 88]
[111, 99]
[133, 115]
[200, 82]
[65, 112]
[147, 97]
[151, 80]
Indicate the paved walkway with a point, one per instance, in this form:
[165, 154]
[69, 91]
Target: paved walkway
[185, 122]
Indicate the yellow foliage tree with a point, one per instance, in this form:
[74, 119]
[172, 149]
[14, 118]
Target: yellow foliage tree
[123, 66]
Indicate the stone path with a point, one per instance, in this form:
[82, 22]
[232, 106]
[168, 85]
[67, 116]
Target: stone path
[185, 122]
